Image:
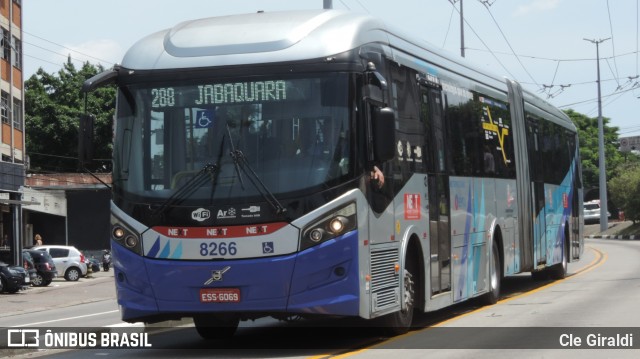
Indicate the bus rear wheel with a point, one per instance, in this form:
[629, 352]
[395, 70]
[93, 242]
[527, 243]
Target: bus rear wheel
[212, 327]
[559, 271]
[495, 275]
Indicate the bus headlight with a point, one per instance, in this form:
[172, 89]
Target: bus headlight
[338, 224]
[131, 241]
[125, 236]
[334, 224]
[118, 232]
[316, 234]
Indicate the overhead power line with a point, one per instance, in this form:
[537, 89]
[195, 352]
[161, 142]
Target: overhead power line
[486, 6]
[595, 99]
[484, 43]
[613, 43]
[55, 53]
[67, 48]
[556, 59]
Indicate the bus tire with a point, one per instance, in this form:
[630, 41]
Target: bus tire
[212, 327]
[399, 322]
[559, 271]
[495, 275]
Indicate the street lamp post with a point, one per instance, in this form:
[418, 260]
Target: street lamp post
[461, 31]
[601, 163]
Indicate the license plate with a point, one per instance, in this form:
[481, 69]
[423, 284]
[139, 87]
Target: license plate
[27, 279]
[220, 295]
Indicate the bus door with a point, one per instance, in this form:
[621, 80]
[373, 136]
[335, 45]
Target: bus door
[438, 190]
[576, 204]
[534, 136]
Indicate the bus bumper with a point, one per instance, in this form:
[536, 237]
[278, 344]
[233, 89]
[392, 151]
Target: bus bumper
[320, 280]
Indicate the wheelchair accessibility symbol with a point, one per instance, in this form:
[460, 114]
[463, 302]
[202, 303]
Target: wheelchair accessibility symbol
[267, 247]
[204, 118]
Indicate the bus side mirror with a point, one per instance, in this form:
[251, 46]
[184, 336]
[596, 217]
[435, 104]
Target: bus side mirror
[375, 87]
[384, 134]
[85, 139]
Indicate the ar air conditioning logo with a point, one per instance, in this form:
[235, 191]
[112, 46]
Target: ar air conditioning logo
[228, 214]
[200, 214]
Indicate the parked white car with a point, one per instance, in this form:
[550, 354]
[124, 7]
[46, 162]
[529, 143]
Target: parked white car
[69, 261]
[591, 212]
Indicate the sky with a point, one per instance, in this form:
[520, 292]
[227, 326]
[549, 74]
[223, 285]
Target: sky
[539, 43]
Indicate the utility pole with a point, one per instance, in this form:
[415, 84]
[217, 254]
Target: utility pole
[461, 31]
[604, 221]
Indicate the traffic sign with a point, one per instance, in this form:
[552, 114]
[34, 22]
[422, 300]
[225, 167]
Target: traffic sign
[628, 144]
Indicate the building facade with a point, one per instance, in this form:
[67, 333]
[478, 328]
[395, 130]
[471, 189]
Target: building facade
[12, 136]
[68, 209]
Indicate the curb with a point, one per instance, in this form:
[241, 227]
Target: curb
[613, 236]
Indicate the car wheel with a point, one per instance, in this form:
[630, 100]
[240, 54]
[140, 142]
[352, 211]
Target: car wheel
[72, 274]
[38, 280]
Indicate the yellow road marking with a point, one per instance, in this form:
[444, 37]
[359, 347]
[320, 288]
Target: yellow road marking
[600, 259]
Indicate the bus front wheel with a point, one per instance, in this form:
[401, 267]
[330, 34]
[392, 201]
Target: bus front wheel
[399, 322]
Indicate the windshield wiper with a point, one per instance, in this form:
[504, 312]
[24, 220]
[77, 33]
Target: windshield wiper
[189, 187]
[235, 160]
[241, 162]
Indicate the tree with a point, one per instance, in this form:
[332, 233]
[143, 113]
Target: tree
[588, 134]
[53, 105]
[625, 190]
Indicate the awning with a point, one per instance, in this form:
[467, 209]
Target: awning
[17, 202]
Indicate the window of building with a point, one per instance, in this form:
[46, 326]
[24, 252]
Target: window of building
[6, 46]
[17, 114]
[16, 55]
[5, 107]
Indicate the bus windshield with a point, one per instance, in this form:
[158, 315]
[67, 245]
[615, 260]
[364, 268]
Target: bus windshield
[288, 133]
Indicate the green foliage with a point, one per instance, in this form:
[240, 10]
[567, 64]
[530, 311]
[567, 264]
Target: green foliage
[625, 190]
[588, 134]
[53, 105]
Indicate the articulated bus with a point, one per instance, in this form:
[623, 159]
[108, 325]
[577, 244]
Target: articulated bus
[244, 148]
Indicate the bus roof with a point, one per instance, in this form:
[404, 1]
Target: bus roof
[254, 38]
[274, 37]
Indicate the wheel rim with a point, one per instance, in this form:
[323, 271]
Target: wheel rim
[494, 270]
[37, 281]
[565, 260]
[73, 274]
[409, 292]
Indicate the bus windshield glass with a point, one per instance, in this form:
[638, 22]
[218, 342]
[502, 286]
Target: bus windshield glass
[289, 133]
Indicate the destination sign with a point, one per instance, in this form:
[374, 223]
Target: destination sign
[260, 91]
[223, 93]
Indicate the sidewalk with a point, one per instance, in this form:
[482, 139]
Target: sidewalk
[60, 293]
[593, 231]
